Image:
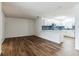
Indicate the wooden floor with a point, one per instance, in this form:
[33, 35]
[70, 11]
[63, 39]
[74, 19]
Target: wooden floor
[35, 46]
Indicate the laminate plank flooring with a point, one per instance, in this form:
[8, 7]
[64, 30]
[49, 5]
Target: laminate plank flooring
[35, 46]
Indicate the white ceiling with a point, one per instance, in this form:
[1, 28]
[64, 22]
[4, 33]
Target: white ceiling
[31, 10]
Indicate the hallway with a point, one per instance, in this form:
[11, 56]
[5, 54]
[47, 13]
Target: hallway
[68, 48]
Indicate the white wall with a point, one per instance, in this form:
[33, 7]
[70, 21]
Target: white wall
[53, 35]
[2, 23]
[77, 27]
[19, 27]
